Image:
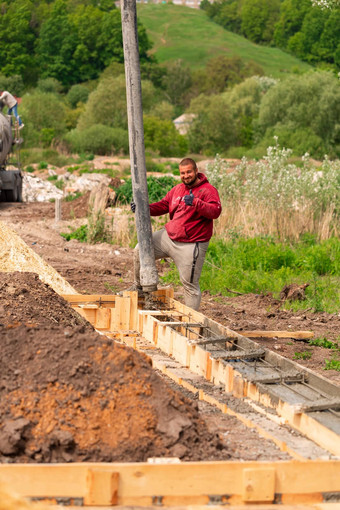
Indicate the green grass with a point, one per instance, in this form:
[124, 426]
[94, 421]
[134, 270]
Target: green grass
[79, 233]
[262, 265]
[303, 355]
[323, 342]
[333, 364]
[186, 33]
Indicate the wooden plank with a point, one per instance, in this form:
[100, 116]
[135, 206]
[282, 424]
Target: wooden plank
[133, 308]
[102, 487]
[89, 298]
[89, 314]
[164, 339]
[138, 481]
[121, 314]
[297, 335]
[200, 361]
[258, 485]
[180, 348]
[103, 318]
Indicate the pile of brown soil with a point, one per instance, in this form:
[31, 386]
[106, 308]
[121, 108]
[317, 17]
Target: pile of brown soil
[69, 394]
[77, 208]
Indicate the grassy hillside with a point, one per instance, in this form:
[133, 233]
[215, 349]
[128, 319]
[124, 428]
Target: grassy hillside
[182, 32]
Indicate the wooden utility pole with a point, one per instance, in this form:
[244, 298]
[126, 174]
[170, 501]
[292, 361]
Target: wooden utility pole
[148, 273]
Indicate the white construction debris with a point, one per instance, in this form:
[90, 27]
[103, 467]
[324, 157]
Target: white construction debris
[39, 190]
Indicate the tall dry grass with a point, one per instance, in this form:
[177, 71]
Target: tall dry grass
[241, 217]
[275, 197]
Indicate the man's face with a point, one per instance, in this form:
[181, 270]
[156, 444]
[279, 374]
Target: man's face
[188, 175]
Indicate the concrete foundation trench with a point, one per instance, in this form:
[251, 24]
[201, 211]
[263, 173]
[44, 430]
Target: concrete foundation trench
[107, 400]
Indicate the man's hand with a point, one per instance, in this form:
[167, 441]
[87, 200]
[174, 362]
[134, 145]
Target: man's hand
[133, 207]
[188, 199]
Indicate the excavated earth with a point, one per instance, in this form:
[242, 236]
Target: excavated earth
[70, 394]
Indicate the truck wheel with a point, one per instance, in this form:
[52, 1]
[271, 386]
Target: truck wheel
[12, 195]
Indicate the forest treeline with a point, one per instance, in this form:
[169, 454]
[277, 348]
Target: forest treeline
[308, 31]
[65, 60]
[70, 40]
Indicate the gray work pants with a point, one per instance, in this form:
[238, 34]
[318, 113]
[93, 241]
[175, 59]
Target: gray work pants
[188, 257]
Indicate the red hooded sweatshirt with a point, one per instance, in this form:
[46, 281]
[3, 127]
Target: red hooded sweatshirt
[190, 223]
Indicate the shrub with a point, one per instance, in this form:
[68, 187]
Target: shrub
[44, 116]
[98, 139]
[12, 83]
[49, 85]
[157, 189]
[77, 94]
[161, 136]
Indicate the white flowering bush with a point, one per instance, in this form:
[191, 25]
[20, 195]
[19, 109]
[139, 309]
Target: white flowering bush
[265, 82]
[275, 196]
[326, 4]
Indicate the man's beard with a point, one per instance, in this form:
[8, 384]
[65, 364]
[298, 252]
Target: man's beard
[190, 182]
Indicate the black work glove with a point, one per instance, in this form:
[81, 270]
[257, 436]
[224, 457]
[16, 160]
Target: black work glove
[133, 207]
[188, 199]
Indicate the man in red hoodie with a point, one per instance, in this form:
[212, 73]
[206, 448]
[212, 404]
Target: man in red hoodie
[192, 207]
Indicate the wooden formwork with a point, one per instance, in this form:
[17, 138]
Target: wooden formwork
[174, 329]
[173, 484]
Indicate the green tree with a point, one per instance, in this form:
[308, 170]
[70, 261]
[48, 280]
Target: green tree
[220, 73]
[213, 129]
[107, 103]
[292, 13]
[244, 104]
[56, 46]
[14, 83]
[330, 39]
[305, 43]
[44, 117]
[310, 102]
[49, 85]
[98, 139]
[78, 41]
[259, 18]
[87, 22]
[162, 137]
[17, 40]
[77, 94]
[177, 82]
[229, 16]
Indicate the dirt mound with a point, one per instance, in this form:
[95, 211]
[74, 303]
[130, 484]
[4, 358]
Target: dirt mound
[24, 299]
[69, 394]
[15, 255]
[77, 208]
